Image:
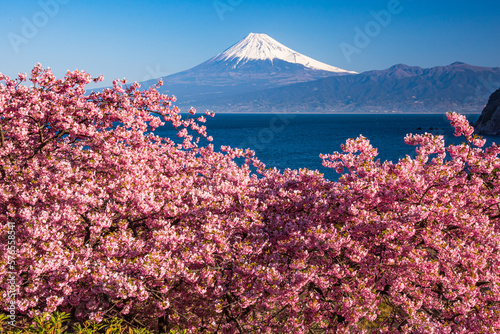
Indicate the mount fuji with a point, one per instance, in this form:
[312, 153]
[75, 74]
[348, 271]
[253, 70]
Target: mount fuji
[255, 63]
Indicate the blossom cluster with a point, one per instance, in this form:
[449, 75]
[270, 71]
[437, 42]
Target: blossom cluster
[113, 220]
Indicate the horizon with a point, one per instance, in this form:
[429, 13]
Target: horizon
[144, 41]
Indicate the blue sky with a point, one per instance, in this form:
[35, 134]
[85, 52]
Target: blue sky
[142, 40]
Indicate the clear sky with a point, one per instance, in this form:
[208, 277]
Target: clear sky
[142, 40]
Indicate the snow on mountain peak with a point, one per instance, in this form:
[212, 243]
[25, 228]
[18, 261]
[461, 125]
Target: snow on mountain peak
[263, 47]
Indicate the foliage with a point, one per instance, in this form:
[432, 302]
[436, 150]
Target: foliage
[114, 222]
[59, 323]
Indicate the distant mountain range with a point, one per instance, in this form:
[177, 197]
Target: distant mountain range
[258, 74]
[458, 87]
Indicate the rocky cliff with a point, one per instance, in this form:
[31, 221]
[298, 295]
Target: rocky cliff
[489, 121]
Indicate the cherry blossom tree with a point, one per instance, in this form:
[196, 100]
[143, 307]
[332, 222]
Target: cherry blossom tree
[114, 221]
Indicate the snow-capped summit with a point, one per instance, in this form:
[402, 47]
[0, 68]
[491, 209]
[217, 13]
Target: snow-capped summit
[263, 47]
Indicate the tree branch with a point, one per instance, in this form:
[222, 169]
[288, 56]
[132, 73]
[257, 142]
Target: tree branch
[2, 138]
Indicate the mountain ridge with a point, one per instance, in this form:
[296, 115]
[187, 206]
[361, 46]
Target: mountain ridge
[401, 88]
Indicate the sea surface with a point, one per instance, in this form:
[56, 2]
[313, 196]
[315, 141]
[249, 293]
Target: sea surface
[296, 140]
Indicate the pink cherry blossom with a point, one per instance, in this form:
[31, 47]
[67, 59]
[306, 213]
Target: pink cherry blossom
[112, 220]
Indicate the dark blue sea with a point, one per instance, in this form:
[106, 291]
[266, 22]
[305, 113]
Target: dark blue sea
[296, 140]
